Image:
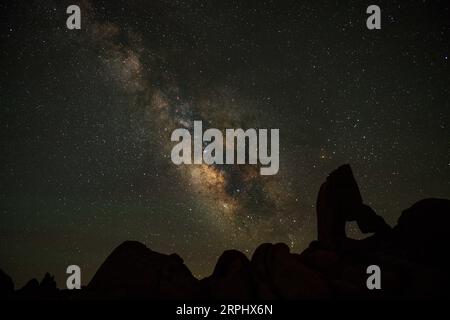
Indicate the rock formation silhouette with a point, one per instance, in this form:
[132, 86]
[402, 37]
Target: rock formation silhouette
[133, 270]
[412, 257]
[6, 285]
[47, 288]
[339, 201]
[231, 278]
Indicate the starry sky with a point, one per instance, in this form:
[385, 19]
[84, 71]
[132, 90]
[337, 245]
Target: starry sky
[86, 118]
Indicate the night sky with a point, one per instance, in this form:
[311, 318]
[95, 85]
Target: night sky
[86, 118]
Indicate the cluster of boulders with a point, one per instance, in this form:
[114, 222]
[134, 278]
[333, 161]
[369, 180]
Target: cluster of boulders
[46, 288]
[411, 257]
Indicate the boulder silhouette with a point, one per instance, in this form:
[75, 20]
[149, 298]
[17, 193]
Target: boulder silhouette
[280, 274]
[48, 284]
[6, 285]
[30, 289]
[422, 231]
[133, 270]
[231, 278]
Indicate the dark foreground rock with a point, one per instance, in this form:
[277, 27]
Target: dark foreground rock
[412, 257]
[231, 279]
[6, 285]
[133, 270]
[46, 289]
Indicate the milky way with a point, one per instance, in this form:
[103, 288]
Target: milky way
[238, 200]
